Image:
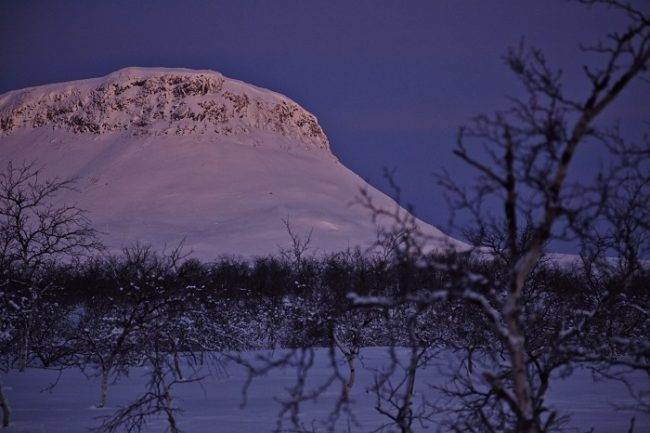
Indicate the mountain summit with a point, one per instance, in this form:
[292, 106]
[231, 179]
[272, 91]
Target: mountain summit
[157, 101]
[165, 155]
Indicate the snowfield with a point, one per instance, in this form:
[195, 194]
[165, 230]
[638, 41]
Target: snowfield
[215, 404]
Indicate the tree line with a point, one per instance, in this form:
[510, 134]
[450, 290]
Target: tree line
[107, 314]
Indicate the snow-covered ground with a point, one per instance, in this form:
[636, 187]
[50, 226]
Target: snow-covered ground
[214, 406]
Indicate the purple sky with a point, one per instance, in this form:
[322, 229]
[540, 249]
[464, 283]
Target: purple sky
[390, 81]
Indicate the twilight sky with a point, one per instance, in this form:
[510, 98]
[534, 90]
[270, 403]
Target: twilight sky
[390, 81]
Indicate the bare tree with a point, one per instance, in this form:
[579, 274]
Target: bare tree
[35, 230]
[523, 199]
[115, 326]
[158, 399]
[347, 335]
[528, 153]
[148, 316]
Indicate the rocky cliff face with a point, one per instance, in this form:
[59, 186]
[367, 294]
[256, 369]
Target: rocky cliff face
[162, 156]
[143, 101]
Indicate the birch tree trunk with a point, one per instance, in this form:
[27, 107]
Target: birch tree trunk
[106, 372]
[6, 413]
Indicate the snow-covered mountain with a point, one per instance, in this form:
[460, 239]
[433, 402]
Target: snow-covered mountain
[162, 155]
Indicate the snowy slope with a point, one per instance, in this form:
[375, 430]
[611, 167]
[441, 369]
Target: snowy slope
[163, 155]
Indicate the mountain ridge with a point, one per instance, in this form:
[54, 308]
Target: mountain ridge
[159, 101]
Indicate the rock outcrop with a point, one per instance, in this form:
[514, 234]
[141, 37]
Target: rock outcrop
[143, 101]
